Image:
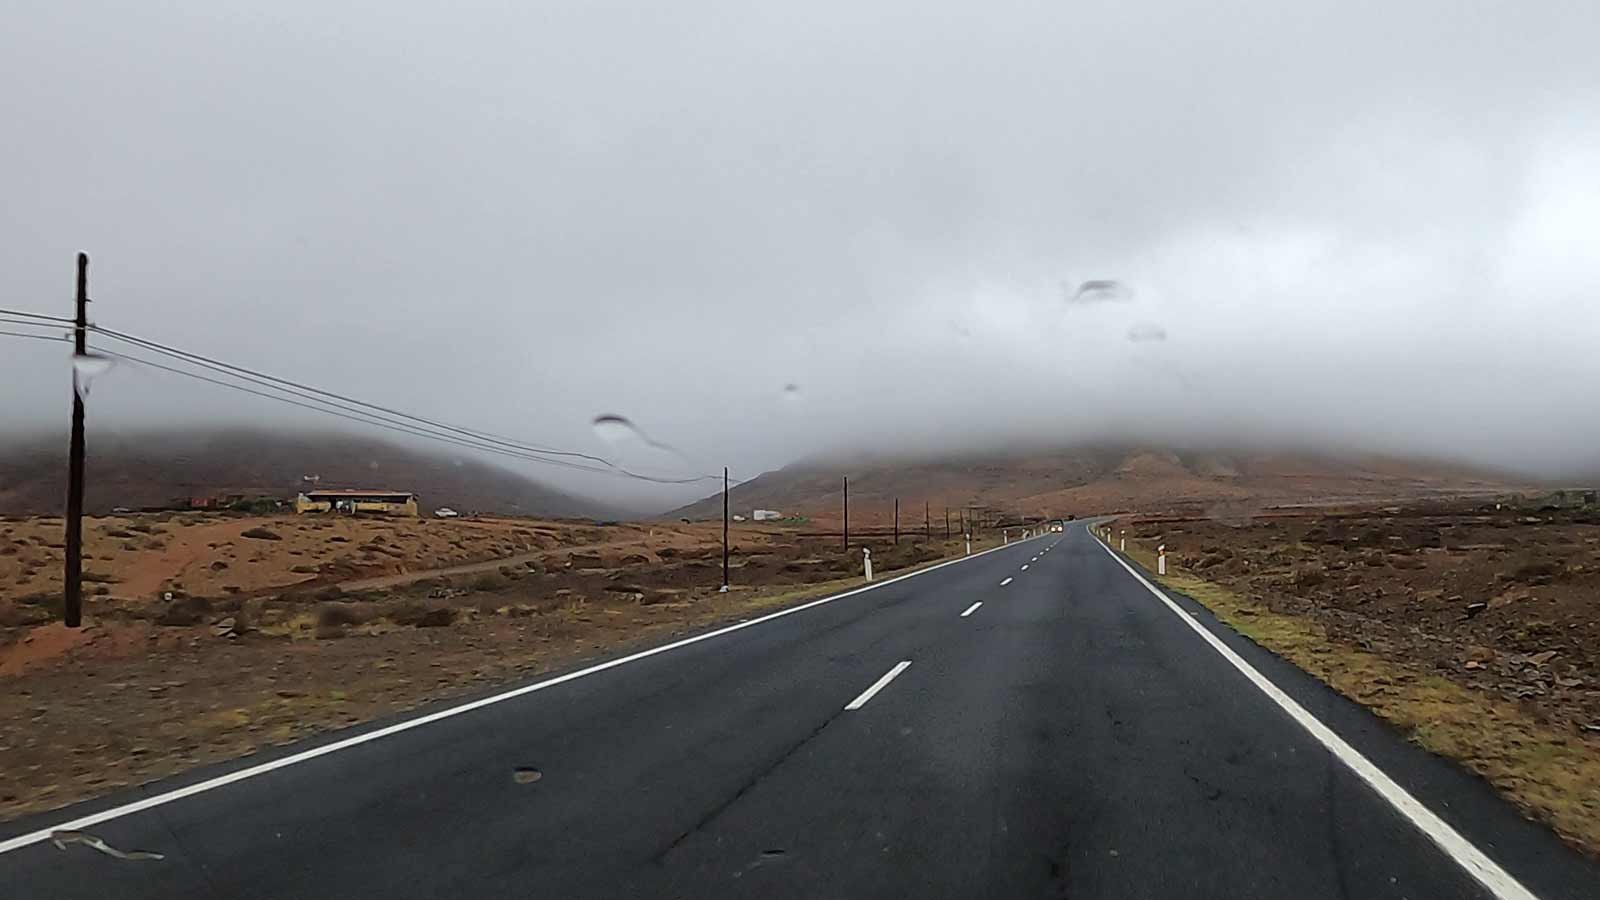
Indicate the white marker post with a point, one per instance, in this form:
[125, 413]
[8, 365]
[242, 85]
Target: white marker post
[1005, 537]
[969, 543]
[1161, 559]
[866, 560]
[1124, 540]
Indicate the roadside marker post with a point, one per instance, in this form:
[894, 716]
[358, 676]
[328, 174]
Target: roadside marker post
[969, 543]
[866, 560]
[1124, 540]
[1161, 559]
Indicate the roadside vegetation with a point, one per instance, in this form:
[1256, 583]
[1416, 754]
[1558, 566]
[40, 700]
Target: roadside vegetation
[173, 677]
[1485, 677]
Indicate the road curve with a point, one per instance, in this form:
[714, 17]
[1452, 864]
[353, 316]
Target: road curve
[976, 730]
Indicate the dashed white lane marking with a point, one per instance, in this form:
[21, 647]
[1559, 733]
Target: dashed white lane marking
[1006, 582]
[1024, 567]
[1465, 854]
[879, 685]
[972, 609]
[86, 821]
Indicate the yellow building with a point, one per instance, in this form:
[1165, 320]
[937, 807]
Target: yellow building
[394, 503]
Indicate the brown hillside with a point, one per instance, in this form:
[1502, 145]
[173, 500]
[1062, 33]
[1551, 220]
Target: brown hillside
[1095, 480]
[150, 470]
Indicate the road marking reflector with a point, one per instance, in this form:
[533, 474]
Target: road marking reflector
[879, 685]
[1006, 582]
[972, 609]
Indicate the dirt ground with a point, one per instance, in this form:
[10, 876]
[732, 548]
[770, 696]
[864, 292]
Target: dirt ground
[1475, 629]
[140, 556]
[153, 686]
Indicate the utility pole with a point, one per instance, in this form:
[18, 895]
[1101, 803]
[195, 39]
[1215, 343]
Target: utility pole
[72, 601]
[724, 529]
[947, 523]
[927, 521]
[897, 521]
[847, 513]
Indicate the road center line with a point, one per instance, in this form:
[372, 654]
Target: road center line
[1006, 582]
[879, 685]
[1024, 567]
[1465, 854]
[972, 609]
[89, 820]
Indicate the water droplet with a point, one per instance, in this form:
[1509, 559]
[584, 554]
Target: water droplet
[86, 367]
[1101, 290]
[791, 390]
[615, 430]
[526, 775]
[637, 451]
[1146, 332]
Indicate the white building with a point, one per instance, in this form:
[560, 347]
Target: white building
[761, 515]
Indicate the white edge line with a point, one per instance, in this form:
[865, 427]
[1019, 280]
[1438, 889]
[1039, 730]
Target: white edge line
[1006, 582]
[1465, 854]
[200, 787]
[972, 609]
[879, 685]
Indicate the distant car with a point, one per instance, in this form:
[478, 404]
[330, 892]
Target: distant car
[445, 512]
[1056, 527]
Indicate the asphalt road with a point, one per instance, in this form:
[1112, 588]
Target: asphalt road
[1072, 736]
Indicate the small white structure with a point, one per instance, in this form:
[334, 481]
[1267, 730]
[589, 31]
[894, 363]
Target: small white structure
[762, 515]
[738, 518]
[445, 512]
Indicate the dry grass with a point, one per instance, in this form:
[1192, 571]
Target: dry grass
[1550, 776]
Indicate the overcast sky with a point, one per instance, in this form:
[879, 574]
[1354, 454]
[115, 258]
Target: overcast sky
[1366, 224]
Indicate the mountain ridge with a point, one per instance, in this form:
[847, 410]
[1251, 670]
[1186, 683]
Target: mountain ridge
[151, 469]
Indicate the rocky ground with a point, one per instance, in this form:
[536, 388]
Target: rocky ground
[155, 685]
[1473, 630]
[1506, 601]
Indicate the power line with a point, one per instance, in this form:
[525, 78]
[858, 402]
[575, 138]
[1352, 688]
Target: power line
[28, 322]
[40, 337]
[261, 377]
[363, 418]
[33, 315]
[317, 404]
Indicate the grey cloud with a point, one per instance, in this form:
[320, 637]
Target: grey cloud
[1363, 224]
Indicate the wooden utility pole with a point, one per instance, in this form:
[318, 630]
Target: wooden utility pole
[927, 521]
[897, 521]
[72, 600]
[724, 528]
[847, 513]
[947, 523]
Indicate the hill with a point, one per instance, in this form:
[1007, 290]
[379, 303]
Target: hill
[147, 470]
[1096, 479]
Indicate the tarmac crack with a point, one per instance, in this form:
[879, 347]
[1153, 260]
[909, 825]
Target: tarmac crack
[749, 784]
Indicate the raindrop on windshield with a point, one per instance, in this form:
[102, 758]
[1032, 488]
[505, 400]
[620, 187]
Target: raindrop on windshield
[615, 430]
[1146, 332]
[86, 367]
[1101, 290]
[632, 447]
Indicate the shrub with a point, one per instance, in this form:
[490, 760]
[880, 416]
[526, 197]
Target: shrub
[339, 614]
[185, 611]
[489, 581]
